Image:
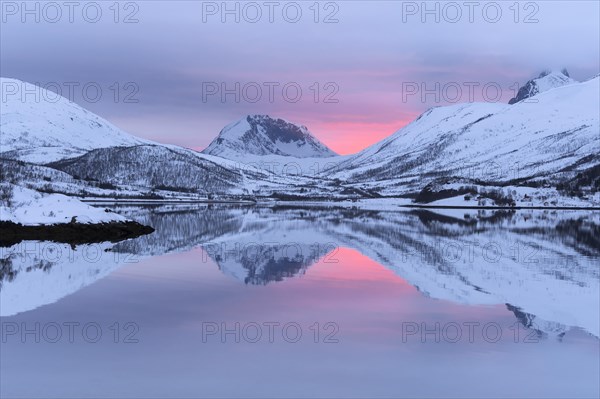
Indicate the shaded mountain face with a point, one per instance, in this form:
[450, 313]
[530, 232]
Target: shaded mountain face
[263, 135]
[39, 126]
[546, 81]
[151, 166]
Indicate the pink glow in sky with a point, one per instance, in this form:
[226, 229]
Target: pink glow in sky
[351, 137]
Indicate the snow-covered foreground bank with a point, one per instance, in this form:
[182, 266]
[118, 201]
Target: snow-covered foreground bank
[33, 208]
[27, 214]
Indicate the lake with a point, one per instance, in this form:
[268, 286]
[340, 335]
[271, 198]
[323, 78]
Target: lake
[224, 301]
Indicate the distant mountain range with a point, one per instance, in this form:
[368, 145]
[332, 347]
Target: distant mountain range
[542, 149]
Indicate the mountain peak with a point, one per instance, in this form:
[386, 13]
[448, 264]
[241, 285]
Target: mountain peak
[545, 81]
[266, 135]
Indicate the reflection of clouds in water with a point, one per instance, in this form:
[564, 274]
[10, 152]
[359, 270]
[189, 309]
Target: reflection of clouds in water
[540, 263]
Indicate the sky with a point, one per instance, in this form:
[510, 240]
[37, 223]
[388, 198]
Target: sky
[353, 72]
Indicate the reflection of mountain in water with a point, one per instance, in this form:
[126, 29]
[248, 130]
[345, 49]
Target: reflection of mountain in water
[544, 264]
[242, 241]
[258, 263]
[179, 228]
[36, 273]
[526, 259]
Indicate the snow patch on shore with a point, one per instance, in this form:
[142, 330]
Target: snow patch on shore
[33, 208]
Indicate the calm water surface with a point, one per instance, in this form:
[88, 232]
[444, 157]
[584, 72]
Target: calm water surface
[256, 302]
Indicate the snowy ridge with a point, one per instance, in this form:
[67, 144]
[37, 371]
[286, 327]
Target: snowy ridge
[152, 166]
[39, 126]
[490, 142]
[98, 159]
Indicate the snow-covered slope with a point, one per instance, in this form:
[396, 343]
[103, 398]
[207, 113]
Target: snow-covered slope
[46, 179]
[29, 207]
[560, 132]
[545, 81]
[263, 135]
[38, 126]
[39, 273]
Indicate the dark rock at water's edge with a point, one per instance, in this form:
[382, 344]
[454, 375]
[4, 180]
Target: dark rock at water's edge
[71, 233]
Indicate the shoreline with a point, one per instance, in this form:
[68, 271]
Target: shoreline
[342, 203]
[162, 201]
[71, 233]
[564, 208]
[88, 233]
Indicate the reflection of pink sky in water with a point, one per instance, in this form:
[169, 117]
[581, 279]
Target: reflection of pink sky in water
[380, 300]
[364, 298]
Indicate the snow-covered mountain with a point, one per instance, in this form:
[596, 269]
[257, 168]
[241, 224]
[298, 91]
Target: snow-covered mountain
[51, 133]
[545, 81]
[42, 128]
[39, 126]
[550, 139]
[264, 135]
